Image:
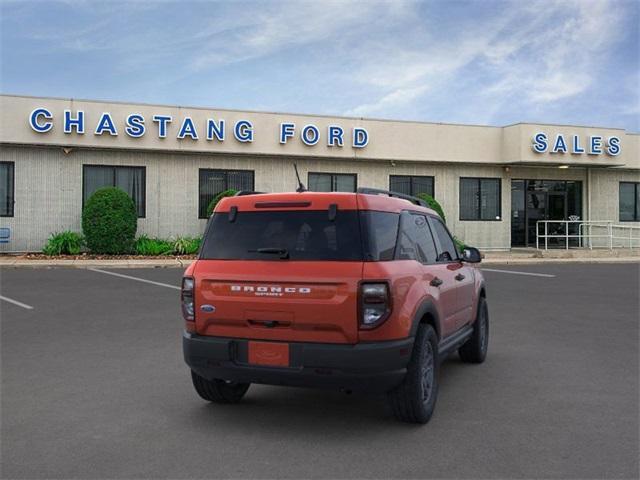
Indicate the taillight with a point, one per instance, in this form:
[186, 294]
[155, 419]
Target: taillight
[375, 304]
[187, 299]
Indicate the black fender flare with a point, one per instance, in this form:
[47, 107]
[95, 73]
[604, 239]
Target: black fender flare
[426, 307]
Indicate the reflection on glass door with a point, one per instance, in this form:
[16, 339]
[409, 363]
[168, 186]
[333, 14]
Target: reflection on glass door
[518, 216]
[557, 210]
[534, 200]
[536, 210]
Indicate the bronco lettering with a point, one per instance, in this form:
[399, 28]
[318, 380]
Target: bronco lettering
[269, 289]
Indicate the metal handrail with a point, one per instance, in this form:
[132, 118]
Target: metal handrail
[586, 225]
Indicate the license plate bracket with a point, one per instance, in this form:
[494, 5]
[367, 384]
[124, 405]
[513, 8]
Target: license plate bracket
[269, 354]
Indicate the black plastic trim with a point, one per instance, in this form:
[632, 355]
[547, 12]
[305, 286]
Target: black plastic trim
[369, 367]
[453, 341]
[427, 307]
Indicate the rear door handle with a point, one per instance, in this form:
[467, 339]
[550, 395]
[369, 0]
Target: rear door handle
[459, 277]
[436, 282]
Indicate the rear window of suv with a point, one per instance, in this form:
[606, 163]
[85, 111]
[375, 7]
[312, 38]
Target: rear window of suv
[301, 235]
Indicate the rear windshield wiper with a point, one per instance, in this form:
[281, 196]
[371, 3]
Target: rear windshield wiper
[283, 252]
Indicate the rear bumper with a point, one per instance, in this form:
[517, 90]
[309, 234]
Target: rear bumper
[368, 367]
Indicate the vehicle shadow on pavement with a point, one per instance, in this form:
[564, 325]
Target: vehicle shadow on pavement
[278, 409]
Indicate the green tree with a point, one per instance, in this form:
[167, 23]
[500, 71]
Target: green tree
[109, 221]
[433, 204]
[212, 205]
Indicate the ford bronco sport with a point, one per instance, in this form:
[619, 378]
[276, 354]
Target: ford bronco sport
[356, 291]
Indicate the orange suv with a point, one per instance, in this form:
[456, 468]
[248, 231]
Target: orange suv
[357, 291]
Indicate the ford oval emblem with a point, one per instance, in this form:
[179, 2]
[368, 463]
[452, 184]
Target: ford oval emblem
[208, 308]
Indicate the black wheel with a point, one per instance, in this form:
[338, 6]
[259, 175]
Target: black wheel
[219, 391]
[414, 400]
[475, 349]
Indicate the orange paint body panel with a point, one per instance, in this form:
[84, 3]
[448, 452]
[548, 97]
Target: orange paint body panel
[317, 201]
[308, 301]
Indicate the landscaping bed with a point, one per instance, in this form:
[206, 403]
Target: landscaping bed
[91, 256]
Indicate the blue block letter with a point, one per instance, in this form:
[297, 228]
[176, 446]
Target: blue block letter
[44, 126]
[243, 131]
[135, 125]
[335, 135]
[539, 144]
[106, 123]
[560, 145]
[360, 138]
[188, 128]
[613, 147]
[595, 145]
[71, 123]
[576, 145]
[310, 135]
[214, 130]
[162, 124]
[286, 131]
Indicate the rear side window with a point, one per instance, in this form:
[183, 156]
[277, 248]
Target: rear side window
[379, 231]
[415, 241]
[446, 248]
[303, 235]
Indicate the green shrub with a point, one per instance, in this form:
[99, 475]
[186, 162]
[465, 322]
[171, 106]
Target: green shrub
[109, 221]
[227, 193]
[153, 246]
[186, 245]
[64, 243]
[433, 204]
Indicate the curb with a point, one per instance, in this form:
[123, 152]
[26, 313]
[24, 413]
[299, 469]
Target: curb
[175, 263]
[548, 261]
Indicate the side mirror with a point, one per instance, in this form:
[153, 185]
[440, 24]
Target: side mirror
[471, 255]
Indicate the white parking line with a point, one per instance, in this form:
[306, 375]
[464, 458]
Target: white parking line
[15, 302]
[135, 278]
[547, 275]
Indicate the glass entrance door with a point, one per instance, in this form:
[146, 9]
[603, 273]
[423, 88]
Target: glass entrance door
[556, 210]
[536, 210]
[534, 200]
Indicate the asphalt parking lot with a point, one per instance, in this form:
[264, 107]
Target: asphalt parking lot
[94, 386]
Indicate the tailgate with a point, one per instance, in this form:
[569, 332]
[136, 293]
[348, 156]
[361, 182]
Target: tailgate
[297, 301]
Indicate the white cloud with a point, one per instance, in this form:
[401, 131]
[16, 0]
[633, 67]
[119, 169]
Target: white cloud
[281, 26]
[395, 99]
[538, 52]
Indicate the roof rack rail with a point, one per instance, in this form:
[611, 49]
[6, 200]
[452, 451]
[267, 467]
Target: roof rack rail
[242, 193]
[377, 191]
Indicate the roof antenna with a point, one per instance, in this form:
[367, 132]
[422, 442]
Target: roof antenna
[301, 188]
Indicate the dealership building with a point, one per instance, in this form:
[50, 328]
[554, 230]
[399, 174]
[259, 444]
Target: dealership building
[494, 183]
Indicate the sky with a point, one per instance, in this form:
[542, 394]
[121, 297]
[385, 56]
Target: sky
[474, 62]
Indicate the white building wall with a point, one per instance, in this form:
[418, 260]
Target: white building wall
[48, 189]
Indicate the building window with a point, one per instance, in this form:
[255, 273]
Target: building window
[480, 199]
[629, 202]
[214, 182]
[411, 184]
[332, 182]
[6, 189]
[130, 179]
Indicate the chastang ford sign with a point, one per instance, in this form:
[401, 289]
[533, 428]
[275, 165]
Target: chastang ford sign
[575, 144]
[136, 125]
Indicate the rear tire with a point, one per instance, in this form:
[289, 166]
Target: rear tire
[414, 400]
[475, 349]
[219, 391]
